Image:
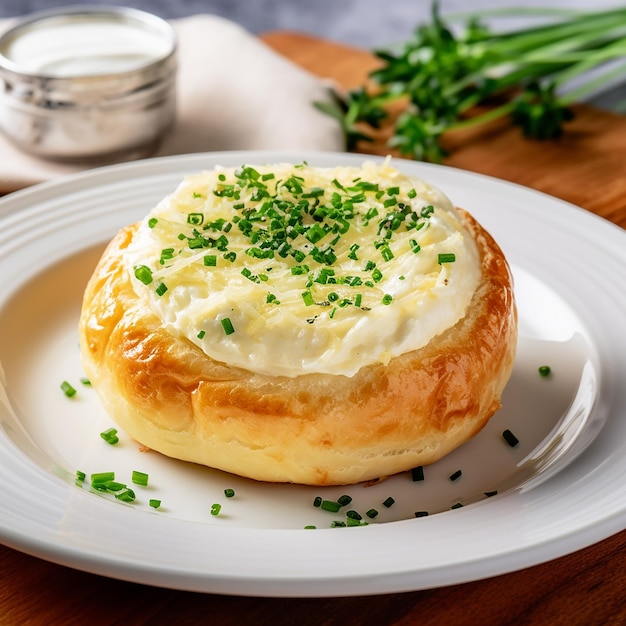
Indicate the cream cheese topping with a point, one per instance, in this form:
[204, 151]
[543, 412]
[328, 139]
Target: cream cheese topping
[288, 269]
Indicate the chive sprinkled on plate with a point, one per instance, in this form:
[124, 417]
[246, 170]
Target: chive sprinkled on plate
[389, 502]
[417, 473]
[229, 493]
[139, 478]
[456, 475]
[216, 508]
[510, 438]
[154, 503]
[544, 370]
[67, 389]
[421, 514]
[110, 436]
[372, 513]
[344, 500]
[330, 505]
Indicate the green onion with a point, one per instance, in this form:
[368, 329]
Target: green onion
[155, 504]
[421, 513]
[389, 502]
[307, 297]
[510, 438]
[216, 508]
[201, 334]
[456, 475]
[344, 500]
[126, 495]
[139, 478]
[80, 476]
[210, 260]
[387, 299]
[354, 515]
[417, 473]
[330, 505]
[110, 436]
[490, 494]
[337, 524]
[446, 257]
[227, 325]
[161, 289]
[100, 478]
[152, 222]
[372, 513]
[317, 501]
[310, 527]
[544, 370]
[85, 381]
[67, 389]
[229, 493]
[458, 505]
[143, 274]
[113, 485]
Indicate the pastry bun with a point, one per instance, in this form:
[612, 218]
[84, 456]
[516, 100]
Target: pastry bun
[314, 428]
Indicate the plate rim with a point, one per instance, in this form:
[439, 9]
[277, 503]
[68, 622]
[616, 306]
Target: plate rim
[283, 586]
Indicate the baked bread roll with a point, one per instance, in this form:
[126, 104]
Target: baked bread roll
[289, 323]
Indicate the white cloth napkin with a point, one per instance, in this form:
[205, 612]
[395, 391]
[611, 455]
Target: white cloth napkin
[234, 93]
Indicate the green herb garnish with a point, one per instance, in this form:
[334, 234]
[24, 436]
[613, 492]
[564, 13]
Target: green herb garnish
[444, 72]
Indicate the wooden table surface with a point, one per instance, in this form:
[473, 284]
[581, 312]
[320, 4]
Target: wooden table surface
[586, 167]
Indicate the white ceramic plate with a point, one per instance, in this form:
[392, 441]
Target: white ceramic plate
[560, 489]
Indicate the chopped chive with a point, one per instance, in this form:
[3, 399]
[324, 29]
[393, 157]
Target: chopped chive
[85, 381]
[417, 473]
[210, 260]
[330, 505]
[113, 485]
[67, 389]
[110, 436]
[510, 438]
[389, 502]
[458, 505]
[446, 257]
[139, 478]
[456, 475]
[544, 370]
[201, 334]
[161, 289]
[354, 515]
[229, 493]
[344, 500]
[317, 501]
[154, 503]
[80, 476]
[308, 298]
[421, 514]
[99, 478]
[310, 527]
[337, 524]
[216, 508]
[152, 222]
[144, 274]
[387, 299]
[372, 513]
[127, 495]
[227, 325]
[490, 494]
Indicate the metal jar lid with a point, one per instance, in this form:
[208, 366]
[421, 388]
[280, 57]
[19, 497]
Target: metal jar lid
[88, 83]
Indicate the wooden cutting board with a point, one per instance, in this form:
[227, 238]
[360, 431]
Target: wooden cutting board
[586, 166]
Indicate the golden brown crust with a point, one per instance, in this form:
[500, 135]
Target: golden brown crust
[316, 429]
